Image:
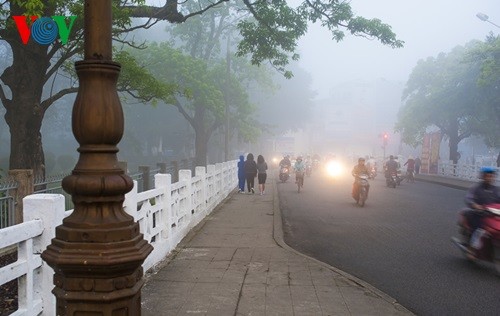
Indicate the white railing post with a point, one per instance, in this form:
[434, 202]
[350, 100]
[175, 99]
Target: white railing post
[218, 183]
[210, 187]
[162, 244]
[202, 195]
[164, 181]
[130, 203]
[186, 196]
[50, 209]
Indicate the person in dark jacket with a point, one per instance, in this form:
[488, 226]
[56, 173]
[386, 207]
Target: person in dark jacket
[477, 199]
[241, 174]
[262, 175]
[418, 163]
[250, 172]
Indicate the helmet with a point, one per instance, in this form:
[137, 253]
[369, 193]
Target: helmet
[391, 157]
[361, 159]
[484, 170]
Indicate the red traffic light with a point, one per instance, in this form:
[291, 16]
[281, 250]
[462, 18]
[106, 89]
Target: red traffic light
[386, 136]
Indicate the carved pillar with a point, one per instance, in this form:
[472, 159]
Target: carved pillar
[98, 250]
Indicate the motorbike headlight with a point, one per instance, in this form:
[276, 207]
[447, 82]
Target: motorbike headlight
[334, 169]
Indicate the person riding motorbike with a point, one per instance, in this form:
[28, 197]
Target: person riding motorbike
[285, 162]
[410, 163]
[391, 166]
[358, 170]
[477, 198]
[300, 168]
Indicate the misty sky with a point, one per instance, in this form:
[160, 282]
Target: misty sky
[428, 27]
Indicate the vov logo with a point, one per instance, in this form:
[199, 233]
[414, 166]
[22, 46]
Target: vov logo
[44, 30]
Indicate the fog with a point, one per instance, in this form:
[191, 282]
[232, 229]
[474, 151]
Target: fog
[343, 97]
[427, 27]
[358, 82]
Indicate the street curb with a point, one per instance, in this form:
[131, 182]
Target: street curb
[279, 239]
[446, 184]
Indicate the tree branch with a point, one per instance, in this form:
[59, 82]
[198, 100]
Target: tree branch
[64, 57]
[186, 115]
[47, 102]
[168, 12]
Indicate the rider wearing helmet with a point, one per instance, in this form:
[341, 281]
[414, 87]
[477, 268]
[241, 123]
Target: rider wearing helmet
[358, 169]
[479, 196]
[300, 168]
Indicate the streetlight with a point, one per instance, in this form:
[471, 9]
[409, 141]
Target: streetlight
[484, 17]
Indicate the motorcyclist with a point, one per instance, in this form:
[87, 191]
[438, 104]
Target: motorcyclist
[391, 167]
[300, 168]
[358, 170]
[285, 162]
[477, 198]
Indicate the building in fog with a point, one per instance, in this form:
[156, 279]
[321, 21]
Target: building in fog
[352, 120]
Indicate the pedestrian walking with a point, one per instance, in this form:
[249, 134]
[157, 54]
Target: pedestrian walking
[261, 174]
[241, 174]
[417, 165]
[250, 172]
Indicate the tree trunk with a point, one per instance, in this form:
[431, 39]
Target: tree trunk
[201, 147]
[201, 135]
[24, 115]
[26, 150]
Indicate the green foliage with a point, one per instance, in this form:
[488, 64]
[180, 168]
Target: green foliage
[139, 82]
[448, 91]
[272, 30]
[487, 55]
[272, 34]
[31, 7]
[193, 77]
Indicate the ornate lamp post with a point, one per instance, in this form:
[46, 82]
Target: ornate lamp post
[98, 250]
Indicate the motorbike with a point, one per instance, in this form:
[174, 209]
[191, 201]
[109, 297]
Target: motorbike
[399, 177]
[362, 182]
[391, 180]
[485, 241]
[308, 170]
[284, 174]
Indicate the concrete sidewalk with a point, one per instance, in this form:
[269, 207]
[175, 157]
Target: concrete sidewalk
[236, 263]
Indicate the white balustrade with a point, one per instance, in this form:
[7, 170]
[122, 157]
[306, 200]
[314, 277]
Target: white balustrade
[461, 171]
[165, 215]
